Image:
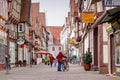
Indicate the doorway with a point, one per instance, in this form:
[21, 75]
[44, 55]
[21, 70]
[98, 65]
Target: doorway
[112, 54]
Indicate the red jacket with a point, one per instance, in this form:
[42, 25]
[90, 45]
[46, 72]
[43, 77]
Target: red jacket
[60, 56]
[52, 58]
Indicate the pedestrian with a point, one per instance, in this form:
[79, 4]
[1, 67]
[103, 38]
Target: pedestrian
[59, 57]
[47, 60]
[51, 60]
[7, 61]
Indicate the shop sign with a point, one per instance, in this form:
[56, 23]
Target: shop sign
[116, 24]
[112, 3]
[20, 41]
[72, 41]
[109, 28]
[88, 17]
[20, 34]
[35, 42]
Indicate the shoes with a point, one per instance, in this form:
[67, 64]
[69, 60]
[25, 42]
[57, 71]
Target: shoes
[59, 70]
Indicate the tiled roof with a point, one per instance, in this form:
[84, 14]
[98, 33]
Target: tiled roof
[55, 30]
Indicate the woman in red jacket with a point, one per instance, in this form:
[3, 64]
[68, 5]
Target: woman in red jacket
[59, 57]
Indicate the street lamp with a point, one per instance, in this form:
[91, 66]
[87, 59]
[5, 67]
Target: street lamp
[8, 26]
[31, 42]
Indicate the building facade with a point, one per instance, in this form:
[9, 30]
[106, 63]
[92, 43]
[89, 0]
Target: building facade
[54, 45]
[3, 31]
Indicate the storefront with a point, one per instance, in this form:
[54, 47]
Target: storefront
[114, 48]
[117, 52]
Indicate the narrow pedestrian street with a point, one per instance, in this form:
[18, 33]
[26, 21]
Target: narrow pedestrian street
[35, 33]
[44, 72]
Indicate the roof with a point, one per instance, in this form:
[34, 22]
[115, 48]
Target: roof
[55, 30]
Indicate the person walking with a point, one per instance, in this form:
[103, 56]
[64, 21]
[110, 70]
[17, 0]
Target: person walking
[59, 57]
[47, 60]
[51, 60]
[7, 63]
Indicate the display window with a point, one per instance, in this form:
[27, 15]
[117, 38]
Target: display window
[117, 48]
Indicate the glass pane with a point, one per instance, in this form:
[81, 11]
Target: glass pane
[117, 48]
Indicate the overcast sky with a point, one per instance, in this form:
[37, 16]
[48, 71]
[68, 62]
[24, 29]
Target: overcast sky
[56, 11]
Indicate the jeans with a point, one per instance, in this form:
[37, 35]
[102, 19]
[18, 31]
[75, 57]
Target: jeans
[59, 66]
[51, 63]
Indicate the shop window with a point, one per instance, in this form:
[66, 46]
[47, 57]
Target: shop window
[117, 48]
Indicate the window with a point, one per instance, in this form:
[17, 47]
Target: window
[100, 6]
[53, 48]
[117, 48]
[20, 27]
[59, 48]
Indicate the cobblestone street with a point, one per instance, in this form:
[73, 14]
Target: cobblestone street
[44, 72]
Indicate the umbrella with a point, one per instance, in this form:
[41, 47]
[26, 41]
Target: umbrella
[42, 52]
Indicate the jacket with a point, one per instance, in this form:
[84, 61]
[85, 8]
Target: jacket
[60, 56]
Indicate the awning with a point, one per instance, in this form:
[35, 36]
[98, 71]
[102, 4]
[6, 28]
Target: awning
[111, 15]
[107, 16]
[42, 52]
[94, 1]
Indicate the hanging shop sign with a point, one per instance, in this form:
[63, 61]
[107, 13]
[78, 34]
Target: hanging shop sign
[112, 3]
[35, 42]
[116, 24]
[109, 28]
[88, 17]
[20, 41]
[72, 41]
[21, 34]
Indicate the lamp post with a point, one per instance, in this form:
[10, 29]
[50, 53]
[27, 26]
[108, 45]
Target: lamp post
[31, 41]
[31, 53]
[8, 25]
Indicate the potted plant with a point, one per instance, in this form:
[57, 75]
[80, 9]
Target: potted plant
[87, 60]
[24, 62]
[20, 63]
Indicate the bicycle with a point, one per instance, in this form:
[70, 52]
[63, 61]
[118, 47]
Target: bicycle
[65, 65]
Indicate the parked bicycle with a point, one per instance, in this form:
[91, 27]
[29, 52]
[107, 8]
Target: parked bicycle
[65, 65]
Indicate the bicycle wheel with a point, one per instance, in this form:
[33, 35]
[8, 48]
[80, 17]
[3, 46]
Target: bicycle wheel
[67, 67]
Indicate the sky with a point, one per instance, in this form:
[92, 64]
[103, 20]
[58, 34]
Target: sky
[56, 11]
